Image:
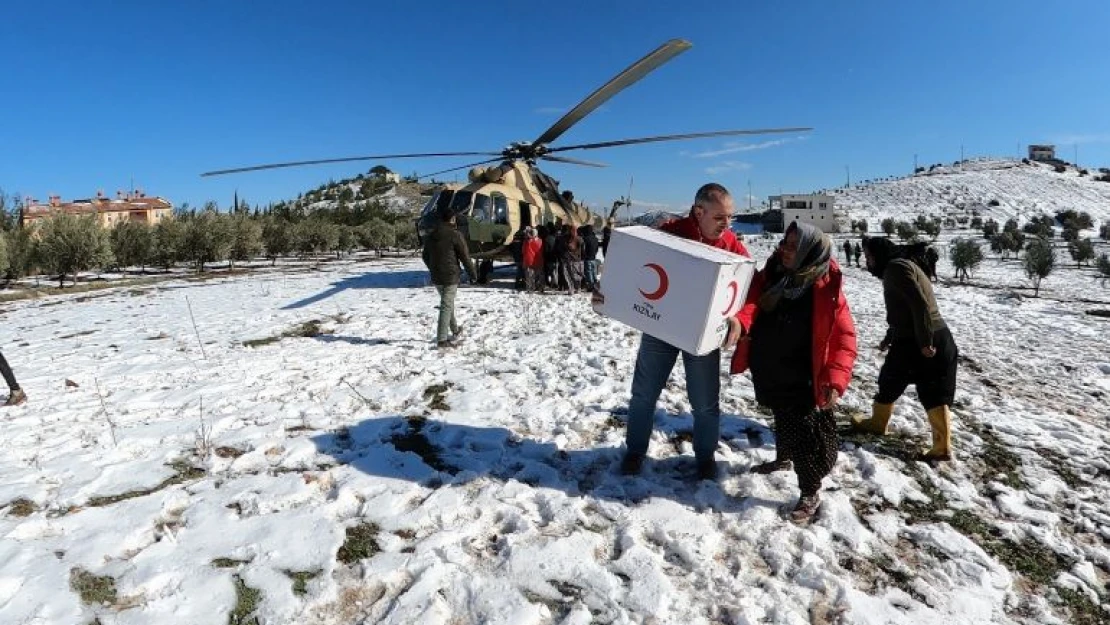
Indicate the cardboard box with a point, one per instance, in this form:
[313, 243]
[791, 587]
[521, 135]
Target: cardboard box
[681, 292]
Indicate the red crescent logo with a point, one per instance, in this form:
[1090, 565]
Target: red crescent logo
[735, 288]
[664, 283]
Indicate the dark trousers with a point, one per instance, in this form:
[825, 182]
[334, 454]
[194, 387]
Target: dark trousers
[9, 377]
[808, 437]
[934, 378]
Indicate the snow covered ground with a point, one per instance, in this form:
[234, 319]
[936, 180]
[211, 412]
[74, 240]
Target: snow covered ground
[349, 473]
[1021, 191]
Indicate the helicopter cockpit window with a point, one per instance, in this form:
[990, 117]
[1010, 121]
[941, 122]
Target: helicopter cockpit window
[500, 209]
[461, 202]
[443, 199]
[483, 208]
[431, 205]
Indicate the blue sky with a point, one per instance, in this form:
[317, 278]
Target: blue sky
[98, 94]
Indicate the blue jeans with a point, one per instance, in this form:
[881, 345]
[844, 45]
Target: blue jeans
[703, 386]
[591, 273]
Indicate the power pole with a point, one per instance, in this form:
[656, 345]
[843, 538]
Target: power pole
[915, 163]
[848, 175]
[1075, 146]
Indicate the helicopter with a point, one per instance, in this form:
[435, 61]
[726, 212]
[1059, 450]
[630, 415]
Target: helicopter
[506, 191]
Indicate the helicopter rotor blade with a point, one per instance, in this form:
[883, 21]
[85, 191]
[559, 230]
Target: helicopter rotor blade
[630, 75]
[572, 161]
[436, 173]
[343, 160]
[695, 135]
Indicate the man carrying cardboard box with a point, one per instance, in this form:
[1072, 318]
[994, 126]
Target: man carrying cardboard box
[708, 222]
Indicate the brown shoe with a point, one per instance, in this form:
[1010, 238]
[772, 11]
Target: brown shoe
[806, 508]
[768, 468]
[16, 398]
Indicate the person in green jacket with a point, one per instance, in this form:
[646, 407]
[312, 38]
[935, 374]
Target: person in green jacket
[922, 350]
[444, 250]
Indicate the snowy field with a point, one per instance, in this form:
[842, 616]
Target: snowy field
[1020, 191]
[349, 473]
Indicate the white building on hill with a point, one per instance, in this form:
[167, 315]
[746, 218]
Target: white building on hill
[815, 209]
[1042, 152]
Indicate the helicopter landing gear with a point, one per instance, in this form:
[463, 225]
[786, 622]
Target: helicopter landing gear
[485, 268]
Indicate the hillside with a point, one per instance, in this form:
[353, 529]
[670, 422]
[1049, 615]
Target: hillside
[1020, 190]
[405, 197]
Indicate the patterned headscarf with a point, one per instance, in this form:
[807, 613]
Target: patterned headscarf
[811, 263]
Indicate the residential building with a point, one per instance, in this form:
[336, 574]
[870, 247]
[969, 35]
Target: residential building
[135, 206]
[815, 209]
[1042, 152]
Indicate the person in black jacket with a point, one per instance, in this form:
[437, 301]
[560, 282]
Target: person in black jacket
[550, 257]
[590, 246]
[444, 250]
[516, 248]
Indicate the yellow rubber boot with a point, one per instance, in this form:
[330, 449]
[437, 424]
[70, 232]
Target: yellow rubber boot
[940, 419]
[880, 417]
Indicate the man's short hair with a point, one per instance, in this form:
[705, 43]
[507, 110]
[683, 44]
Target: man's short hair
[710, 193]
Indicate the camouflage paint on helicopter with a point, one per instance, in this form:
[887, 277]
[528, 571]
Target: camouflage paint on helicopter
[499, 201]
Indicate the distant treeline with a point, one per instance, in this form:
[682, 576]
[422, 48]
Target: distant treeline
[67, 244]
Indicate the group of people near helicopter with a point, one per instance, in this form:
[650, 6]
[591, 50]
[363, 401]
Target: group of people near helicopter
[559, 257]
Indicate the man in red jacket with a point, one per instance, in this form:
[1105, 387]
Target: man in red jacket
[800, 343]
[708, 222]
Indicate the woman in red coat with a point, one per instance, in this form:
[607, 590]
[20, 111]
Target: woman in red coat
[800, 344]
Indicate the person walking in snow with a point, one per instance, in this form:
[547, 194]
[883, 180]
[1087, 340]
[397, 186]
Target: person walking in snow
[16, 396]
[444, 250]
[857, 252]
[932, 256]
[922, 350]
[800, 343]
[847, 252]
[707, 223]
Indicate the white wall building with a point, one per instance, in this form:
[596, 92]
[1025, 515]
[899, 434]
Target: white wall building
[1042, 152]
[816, 210]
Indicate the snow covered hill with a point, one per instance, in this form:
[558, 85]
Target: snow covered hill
[401, 197]
[1021, 191]
[302, 454]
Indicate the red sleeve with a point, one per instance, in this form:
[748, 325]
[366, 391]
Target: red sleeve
[748, 311]
[842, 347]
[740, 249]
[673, 226]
